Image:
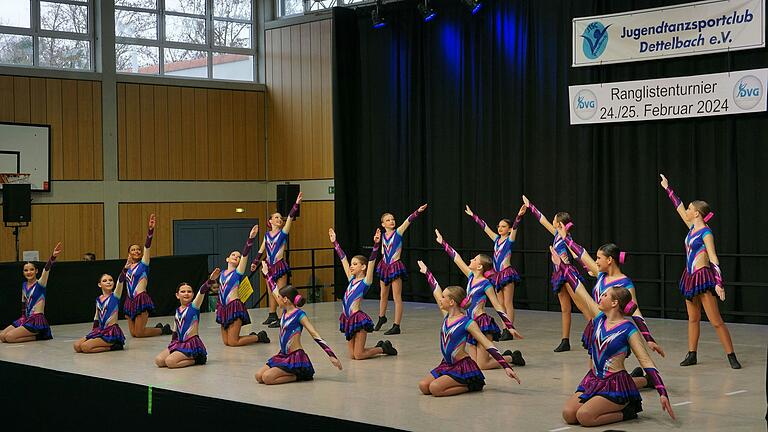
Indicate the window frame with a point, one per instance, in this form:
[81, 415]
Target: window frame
[209, 47]
[36, 31]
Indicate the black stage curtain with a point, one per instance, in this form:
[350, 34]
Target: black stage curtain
[474, 110]
[72, 287]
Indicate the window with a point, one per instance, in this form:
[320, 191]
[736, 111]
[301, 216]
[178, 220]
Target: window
[190, 38]
[296, 7]
[51, 33]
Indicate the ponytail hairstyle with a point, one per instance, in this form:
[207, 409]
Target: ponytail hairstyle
[457, 294]
[704, 210]
[613, 251]
[293, 296]
[627, 306]
[564, 218]
[487, 265]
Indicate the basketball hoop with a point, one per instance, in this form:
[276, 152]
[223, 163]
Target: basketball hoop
[14, 178]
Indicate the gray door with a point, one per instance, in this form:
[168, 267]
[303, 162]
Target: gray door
[215, 237]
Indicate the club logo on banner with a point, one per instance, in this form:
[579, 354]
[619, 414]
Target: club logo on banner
[681, 97]
[680, 30]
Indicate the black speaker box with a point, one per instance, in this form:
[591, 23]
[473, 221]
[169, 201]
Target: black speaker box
[17, 203]
[286, 197]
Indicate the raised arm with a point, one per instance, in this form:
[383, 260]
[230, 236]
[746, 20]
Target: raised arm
[453, 254]
[539, 217]
[243, 264]
[579, 252]
[148, 242]
[121, 280]
[51, 261]
[516, 223]
[292, 213]
[372, 258]
[316, 336]
[484, 226]
[637, 346]
[476, 333]
[339, 252]
[675, 201]
[581, 297]
[437, 292]
[714, 262]
[205, 287]
[412, 217]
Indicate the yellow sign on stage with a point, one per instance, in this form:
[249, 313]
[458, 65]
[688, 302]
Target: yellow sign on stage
[245, 290]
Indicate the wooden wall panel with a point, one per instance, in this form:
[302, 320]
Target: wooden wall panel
[72, 108]
[182, 133]
[309, 231]
[298, 77]
[80, 228]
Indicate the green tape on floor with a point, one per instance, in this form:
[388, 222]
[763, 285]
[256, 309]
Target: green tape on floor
[149, 400]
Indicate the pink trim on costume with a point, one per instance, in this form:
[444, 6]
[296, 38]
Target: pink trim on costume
[628, 307]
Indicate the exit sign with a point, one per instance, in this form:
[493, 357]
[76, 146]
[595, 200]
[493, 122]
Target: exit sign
[331, 190]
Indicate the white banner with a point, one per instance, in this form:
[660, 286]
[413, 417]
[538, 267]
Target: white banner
[692, 96]
[688, 29]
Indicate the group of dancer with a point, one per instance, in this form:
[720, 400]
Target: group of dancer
[615, 327]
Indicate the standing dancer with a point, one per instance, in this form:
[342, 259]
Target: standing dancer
[478, 289]
[390, 270]
[106, 335]
[291, 363]
[609, 275]
[275, 242]
[506, 276]
[607, 394]
[353, 322]
[32, 325]
[138, 303]
[702, 278]
[230, 311]
[559, 280]
[186, 348]
[457, 373]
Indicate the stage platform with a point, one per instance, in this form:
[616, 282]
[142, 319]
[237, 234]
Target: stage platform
[382, 393]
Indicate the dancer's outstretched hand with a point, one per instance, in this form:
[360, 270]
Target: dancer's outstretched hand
[510, 373]
[254, 232]
[336, 363]
[422, 267]
[666, 406]
[422, 208]
[656, 347]
[468, 210]
[331, 235]
[377, 235]
[56, 250]
[438, 236]
[664, 181]
[523, 209]
[526, 202]
[215, 274]
[516, 334]
[720, 292]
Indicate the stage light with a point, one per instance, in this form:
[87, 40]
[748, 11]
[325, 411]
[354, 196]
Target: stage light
[427, 12]
[377, 21]
[473, 5]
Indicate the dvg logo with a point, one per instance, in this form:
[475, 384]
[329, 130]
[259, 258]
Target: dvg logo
[595, 40]
[748, 92]
[585, 104]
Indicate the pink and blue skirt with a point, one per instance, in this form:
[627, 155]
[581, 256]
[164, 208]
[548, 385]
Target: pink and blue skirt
[111, 334]
[137, 305]
[192, 348]
[558, 278]
[464, 371]
[37, 324]
[278, 270]
[487, 326]
[701, 281]
[296, 363]
[354, 323]
[389, 272]
[234, 310]
[505, 277]
[617, 387]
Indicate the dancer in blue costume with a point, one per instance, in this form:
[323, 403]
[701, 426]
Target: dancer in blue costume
[186, 348]
[479, 288]
[702, 280]
[353, 322]
[506, 277]
[457, 373]
[275, 244]
[32, 325]
[106, 334]
[390, 270]
[608, 394]
[560, 285]
[291, 363]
